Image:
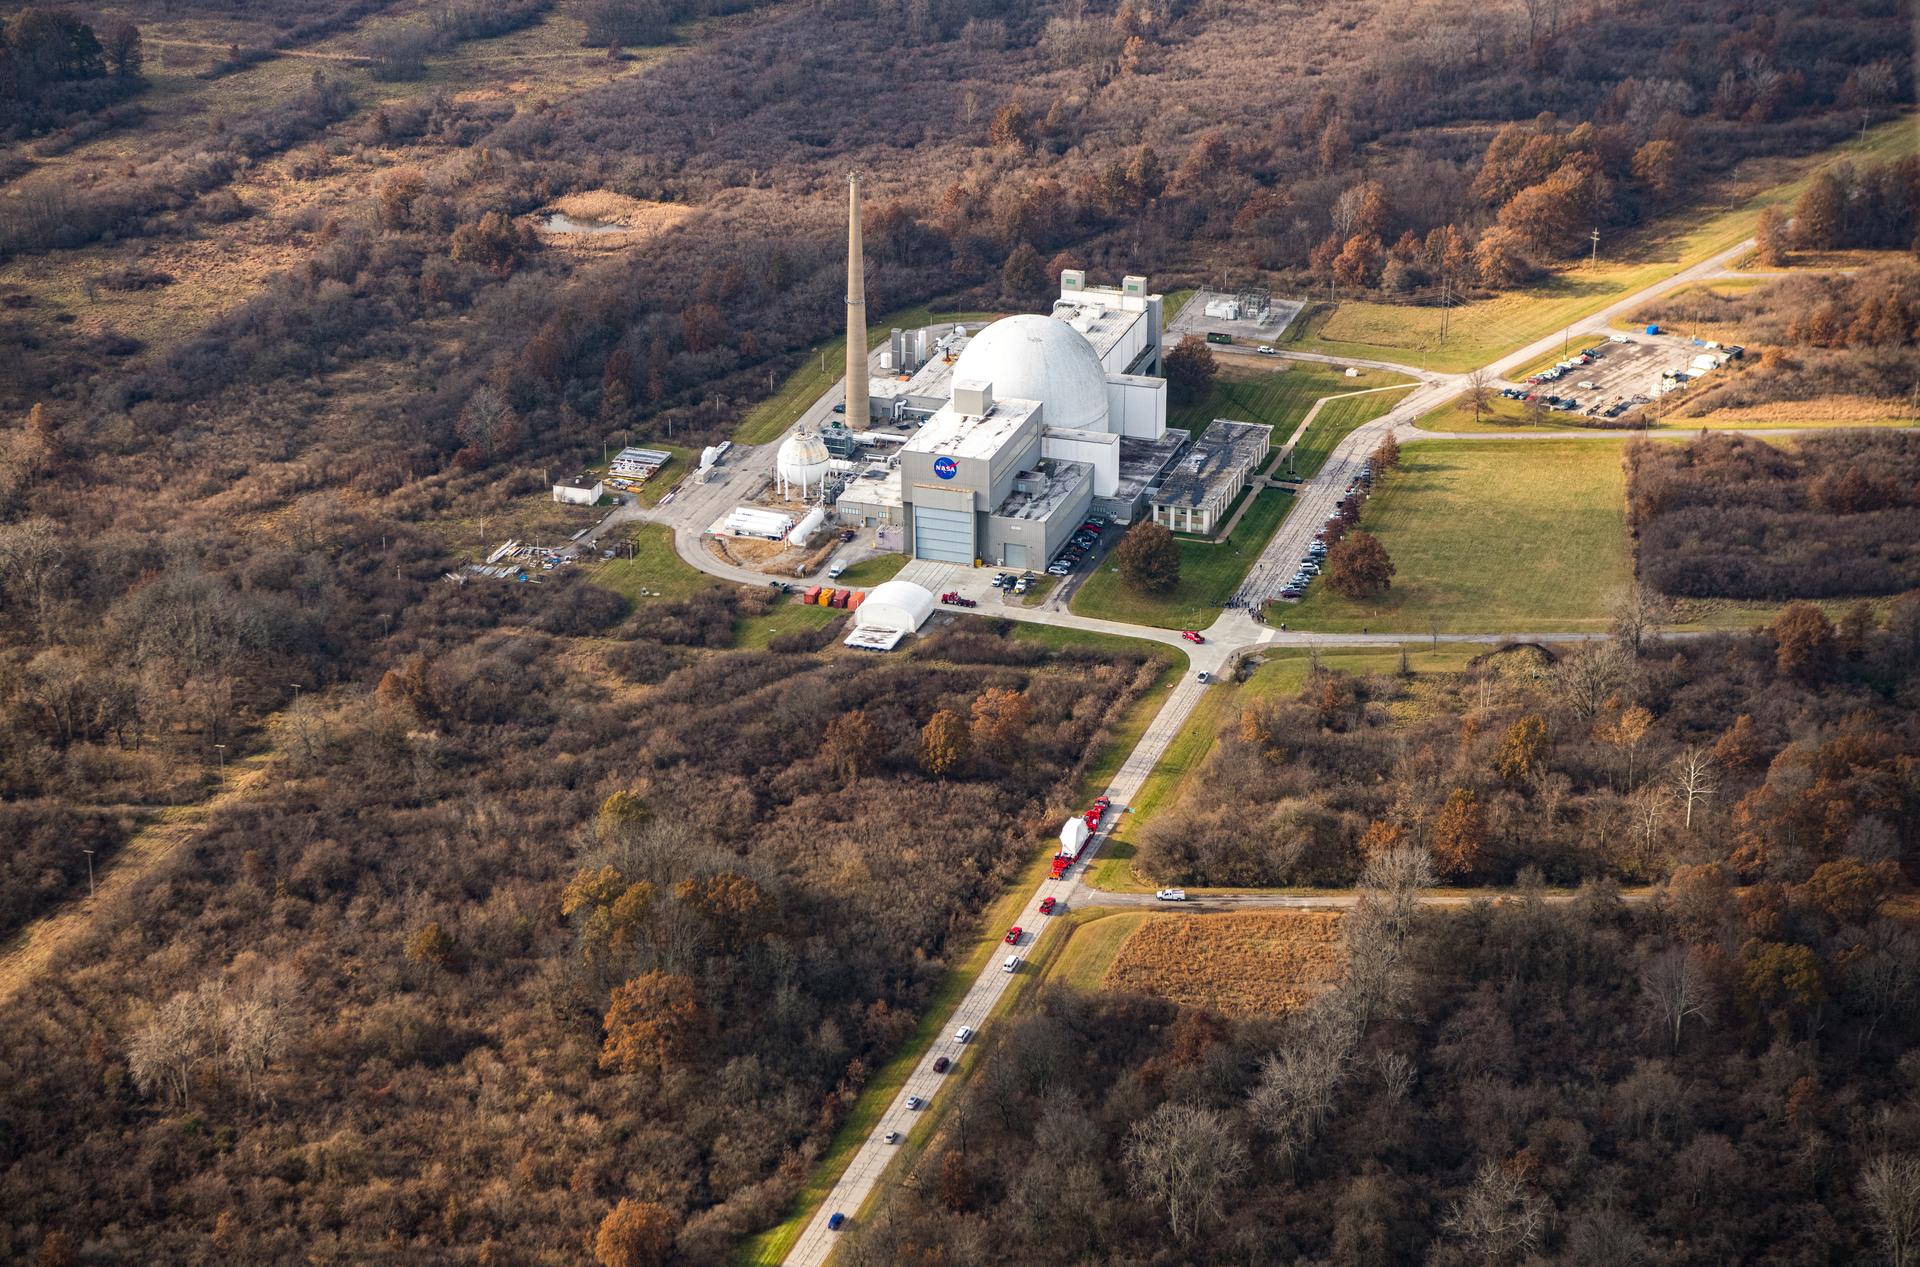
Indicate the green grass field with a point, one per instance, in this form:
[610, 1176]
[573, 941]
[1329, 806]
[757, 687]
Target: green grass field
[1080, 960]
[823, 367]
[1280, 398]
[867, 572]
[654, 569]
[1335, 421]
[755, 632]
[1483, 330]
[1209, 573]
[1492, 535]
[1499, 414]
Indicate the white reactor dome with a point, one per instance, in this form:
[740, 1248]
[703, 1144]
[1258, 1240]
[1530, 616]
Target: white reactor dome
[802, 460]
[1040, 358]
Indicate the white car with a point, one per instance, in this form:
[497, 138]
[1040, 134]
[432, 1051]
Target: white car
[1586, 385]
[914, 1102]
[1171, 895]
[962, 1034]
[1267, 349]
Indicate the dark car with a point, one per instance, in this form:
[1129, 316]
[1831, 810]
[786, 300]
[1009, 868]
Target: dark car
[835, 1220]
[1289, 593]
[941, 1064]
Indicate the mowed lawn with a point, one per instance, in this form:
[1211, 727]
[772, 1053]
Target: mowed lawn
[1209, 574]
[1491, 535]
[1281, 398]
[1336, 420]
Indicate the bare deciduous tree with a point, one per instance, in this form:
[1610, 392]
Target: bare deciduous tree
[1587, 675]
[1183, 1158]
[1479, 391]
[1638, 611]
[1673, 986]
[1890, 1187]
[1694, 779]
[1499, 1219]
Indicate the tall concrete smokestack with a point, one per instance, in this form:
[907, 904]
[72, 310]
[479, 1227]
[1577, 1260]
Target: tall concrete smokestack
[856, 311]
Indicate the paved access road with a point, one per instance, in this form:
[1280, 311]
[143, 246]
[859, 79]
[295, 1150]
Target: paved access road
[863, 1172]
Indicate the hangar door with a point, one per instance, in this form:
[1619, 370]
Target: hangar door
[944, 535]
[1018, 555]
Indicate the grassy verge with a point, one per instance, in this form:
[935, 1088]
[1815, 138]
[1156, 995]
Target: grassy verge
[1083, 951]
[869, 572]
[1499, 414]
[823, 367]
[1489, 536]
[1337, 420]
[654, 571]
[755, 632]
[1209, 573]
[1483, 330]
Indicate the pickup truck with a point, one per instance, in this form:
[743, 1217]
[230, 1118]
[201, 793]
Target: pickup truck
[1171, 895]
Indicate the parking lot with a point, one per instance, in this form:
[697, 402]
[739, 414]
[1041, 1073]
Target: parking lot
[1608, 377]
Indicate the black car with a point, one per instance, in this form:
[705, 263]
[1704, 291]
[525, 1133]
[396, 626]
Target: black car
[941, 1064]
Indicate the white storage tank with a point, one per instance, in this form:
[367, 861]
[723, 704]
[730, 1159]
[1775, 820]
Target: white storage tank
[808, 525]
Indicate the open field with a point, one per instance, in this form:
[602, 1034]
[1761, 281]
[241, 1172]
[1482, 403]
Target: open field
[1209, 573]
[753, 633]
[1481, 331]
[1243, 964]
[823, 367]
[1280, 671]
[1454, 517]
[868, 572]
[654, 571]
[1278, 397]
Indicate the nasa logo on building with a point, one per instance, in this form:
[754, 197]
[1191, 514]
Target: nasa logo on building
[945, 468]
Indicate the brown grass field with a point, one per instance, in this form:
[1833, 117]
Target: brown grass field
[1242, 964]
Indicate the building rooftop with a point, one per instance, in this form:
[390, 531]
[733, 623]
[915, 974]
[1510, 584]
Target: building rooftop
[875, 486]
[1142, 461]
[580, 482]
[1224, 452]
[1102, 326]
[1052, 482]
[934, 379]
[958, 435]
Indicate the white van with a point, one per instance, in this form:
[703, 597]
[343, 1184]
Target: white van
[1012, 964]
[962, 1034]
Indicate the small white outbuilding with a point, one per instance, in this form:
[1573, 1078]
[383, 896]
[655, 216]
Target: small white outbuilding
[581, 490]
[900, 606]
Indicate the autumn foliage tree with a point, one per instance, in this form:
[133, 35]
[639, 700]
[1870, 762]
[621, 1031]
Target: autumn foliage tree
[634, 1234]
[1459, 833]
[848, 744]
[1190, 370]
[1149, 558]
[1803, 642]
[1358, 566]
[653, 1023]
[945, 743]
[1523, 751]
[1000, 716]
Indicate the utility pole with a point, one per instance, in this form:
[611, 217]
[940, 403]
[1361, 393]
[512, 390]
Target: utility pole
[222, 750]
[89, 854]
[1594, 262]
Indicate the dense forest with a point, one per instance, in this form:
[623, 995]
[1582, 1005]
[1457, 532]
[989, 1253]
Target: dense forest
[1717, 1076]
[1601, 761]
[1732, 516]
[506, 941]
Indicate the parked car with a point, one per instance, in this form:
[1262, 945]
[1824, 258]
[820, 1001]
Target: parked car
[1192, 635]
[1013, 935]
[1171, 895]
[1267, 349]
[1205, 677]
[833, 573]
[1290, 592]
[941, 1064]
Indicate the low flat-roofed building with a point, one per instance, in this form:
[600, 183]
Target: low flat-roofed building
[581, 490]
[1194, 495]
